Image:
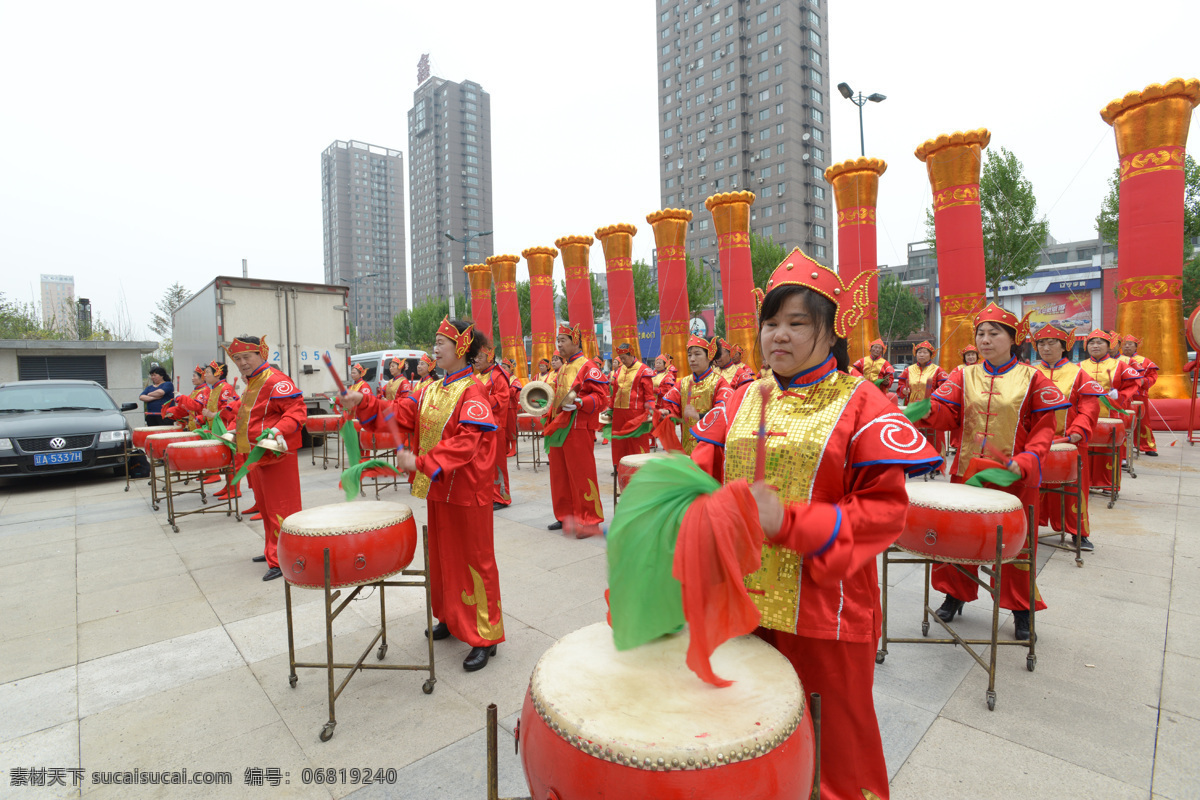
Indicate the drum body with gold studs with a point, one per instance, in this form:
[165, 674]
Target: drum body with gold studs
[367, 542]
[323, 423]
[629, 466]
[140, 434]
[1061, 465]
[198, 456]
[957, 523]
[157, 443]
[1102, 432]
[639, 724]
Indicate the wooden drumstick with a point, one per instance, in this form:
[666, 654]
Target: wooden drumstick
[760, 455]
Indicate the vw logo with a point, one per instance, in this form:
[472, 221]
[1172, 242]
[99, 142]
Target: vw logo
[58, 443]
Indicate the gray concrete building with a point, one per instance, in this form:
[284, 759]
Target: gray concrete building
[450, 184]
[362, 204]
[743, 90]
[58, 303]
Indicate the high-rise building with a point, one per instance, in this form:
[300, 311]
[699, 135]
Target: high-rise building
[362, 204]
[450, 185]
[58, 302]
[743, 89]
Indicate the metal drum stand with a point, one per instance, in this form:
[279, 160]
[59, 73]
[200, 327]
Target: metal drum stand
[1065, 492]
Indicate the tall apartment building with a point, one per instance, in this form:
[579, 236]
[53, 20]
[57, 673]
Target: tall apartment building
[450, 187]
[743, 89]
[58, 302]
[362, 204]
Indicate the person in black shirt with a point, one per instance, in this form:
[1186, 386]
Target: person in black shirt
[156, 394]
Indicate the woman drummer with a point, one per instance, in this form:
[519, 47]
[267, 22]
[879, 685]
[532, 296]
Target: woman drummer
[451, 418]
[1074, 424]
[426, 373]
[1004, 409]
[919, 381]
[969, 355]
[696, 394]
[832, 500]
[398, 385]
[556, 363]
[1120, 383]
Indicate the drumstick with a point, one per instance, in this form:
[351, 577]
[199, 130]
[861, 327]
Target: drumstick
[389, 416]
[991, 450]
[760, 455]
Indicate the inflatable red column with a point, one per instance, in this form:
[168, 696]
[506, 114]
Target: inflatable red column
[856, 190]
[617, 241]
[480, 276]
[731, 221]
[540, 261]
[575, 252]
[670, 229]
[1152, 129]
[512, 337]
[953, 163]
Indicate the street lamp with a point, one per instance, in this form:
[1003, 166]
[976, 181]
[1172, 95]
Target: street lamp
[450, 269]
[356, 280]
[860, 101]
[715, 267]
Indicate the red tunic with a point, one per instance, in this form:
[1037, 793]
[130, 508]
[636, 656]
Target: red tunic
[574, 491]
[496, 443]
[633, 398]
[1148, 371]
[1083, 394]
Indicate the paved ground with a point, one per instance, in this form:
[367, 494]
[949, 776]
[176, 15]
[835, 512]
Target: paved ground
[127, 646]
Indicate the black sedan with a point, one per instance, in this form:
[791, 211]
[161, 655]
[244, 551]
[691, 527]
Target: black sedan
[60, 426]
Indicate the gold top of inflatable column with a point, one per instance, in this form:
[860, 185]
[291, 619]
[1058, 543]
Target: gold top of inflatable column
[856, 185]
[539, 251]
[1156, 117]
[944, 162]
[620, 227]
[563, 242]
[729, 197]
[1189, 89]
[861, 164]
[669, 213]
[502, 259]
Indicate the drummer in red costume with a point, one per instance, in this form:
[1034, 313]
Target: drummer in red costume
[699, 392]
[664, 380]
[832, 500]
[556, 364]
[514, 403]
[919, 381]
[358, 372]
[1009, 406]
[580, 394]
[1120, 383]
[732, 370]
[425, 369]
[1148, 371]
[451, 417]
[271, 406]
[969, 355]
[218, 399]
[1074, 424]
[397, 385]
[874, 367]
[633, 401]
[187, 408]
[495, 380]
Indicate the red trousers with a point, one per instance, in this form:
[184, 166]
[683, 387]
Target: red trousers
[498, 443]
[1145, 435]
[843, 673]
[464, 580]
[1014, 578]
[573, 488]
[1100, 467]
[1052, 504]
[276, 484]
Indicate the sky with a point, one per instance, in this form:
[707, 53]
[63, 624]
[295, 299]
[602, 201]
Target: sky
[147, 143]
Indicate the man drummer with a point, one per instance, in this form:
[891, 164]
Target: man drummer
[495, 381]
[580, 394]
[1148, 371]
[271, 407]
[633, 399]
[874, 367]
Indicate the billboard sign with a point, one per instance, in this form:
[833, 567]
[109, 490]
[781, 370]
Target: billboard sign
[1065, 309]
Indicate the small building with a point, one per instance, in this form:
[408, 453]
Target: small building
[117, 366]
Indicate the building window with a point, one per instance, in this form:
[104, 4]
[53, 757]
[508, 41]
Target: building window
[819, 250]
[816, 115]
[818, 192]
[819, 212]
[819, 231]
[778, 29]
[815, 95]
[762, 37]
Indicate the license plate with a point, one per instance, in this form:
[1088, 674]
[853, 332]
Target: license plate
[46, 459]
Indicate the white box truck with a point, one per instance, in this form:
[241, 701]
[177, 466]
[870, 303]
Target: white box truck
[301, 321]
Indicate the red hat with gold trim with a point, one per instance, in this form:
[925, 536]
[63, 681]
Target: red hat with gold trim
[1100, 333]
[218, 367]
[925, 344]
[574, 331]
[428, 359]
[851, 299]
[1002, 316]
[1129, 337]
[877, 342]
[1052, 331]
[461, 339]
[968, 349]
[624, 349]
[359, 368]
[709, 347]
[199, 369]
[545, 361]
[238, 346]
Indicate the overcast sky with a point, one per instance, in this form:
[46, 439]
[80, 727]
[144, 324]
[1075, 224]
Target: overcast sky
[145, 143]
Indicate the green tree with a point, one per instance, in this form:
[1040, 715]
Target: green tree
[900, 312]
[1191, 284]
[1107, 219]
[161, 321]
[598, 304]
[765, 256]
[402, 328]
[525, 306]
[645, 291]
[1013, 235]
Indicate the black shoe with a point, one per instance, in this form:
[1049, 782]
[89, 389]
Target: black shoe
[1085, 545]
[498, 506]
[259, 559]
[949, 606]
[273, 573]
[1151, 453]
[440, 631]
[478, 657]
[1021, 622]
[554, 526]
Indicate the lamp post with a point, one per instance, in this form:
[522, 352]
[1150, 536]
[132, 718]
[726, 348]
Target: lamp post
[353, 281]
[714, 266]
[860, 101]
[450, 270]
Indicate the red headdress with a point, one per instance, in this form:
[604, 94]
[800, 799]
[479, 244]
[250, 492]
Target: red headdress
[545, 361]
[1001, 316]
[624, 349]
[850, 298]
[573, 331]
[1052, 331]
[1100, 333]
[218, 367]
[1129, 337]
[926, 344]
[359, 368]
[238, 346]
[428, 359]
[709, 347]
[877, 342]
[969, 349]
[199, 369]
[461, 339]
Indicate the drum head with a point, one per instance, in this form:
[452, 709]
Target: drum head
[200, 443]
[1062, 447]
[960, 497]
[535, 398]
[639, 460]
[343, 518]
[1192, 328]
[645, 703]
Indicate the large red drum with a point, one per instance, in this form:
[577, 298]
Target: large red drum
[1103, 430]
[323, 423]
[1061, 465]
[158, 442]
[198, 456]
[631, 464]
[640, 724]
[140, 434]
[957, 523]
[377, 440]
[367, 542]
[528, 422]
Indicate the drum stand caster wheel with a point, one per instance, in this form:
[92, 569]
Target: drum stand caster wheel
[327, 731]
[1079, 562]
[1110, 503]
[880, 655]
[382, 651]
[991, 700]
[175, 528]
[204, 500]
[427, 686]
[1030, 662]
[239, 517]
[925, 628]
[292, 681]
[152, 505]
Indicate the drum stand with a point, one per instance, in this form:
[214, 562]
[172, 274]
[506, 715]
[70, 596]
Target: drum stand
[336, 458]
[331, 613]
[1066, 491]
[392, 479]
[493, 777]
[1112, 450]
[229, 505]
[993, 589]
[534, 437]
[1131, 447]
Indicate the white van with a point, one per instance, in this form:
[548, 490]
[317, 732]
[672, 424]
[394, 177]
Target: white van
[377, 362]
